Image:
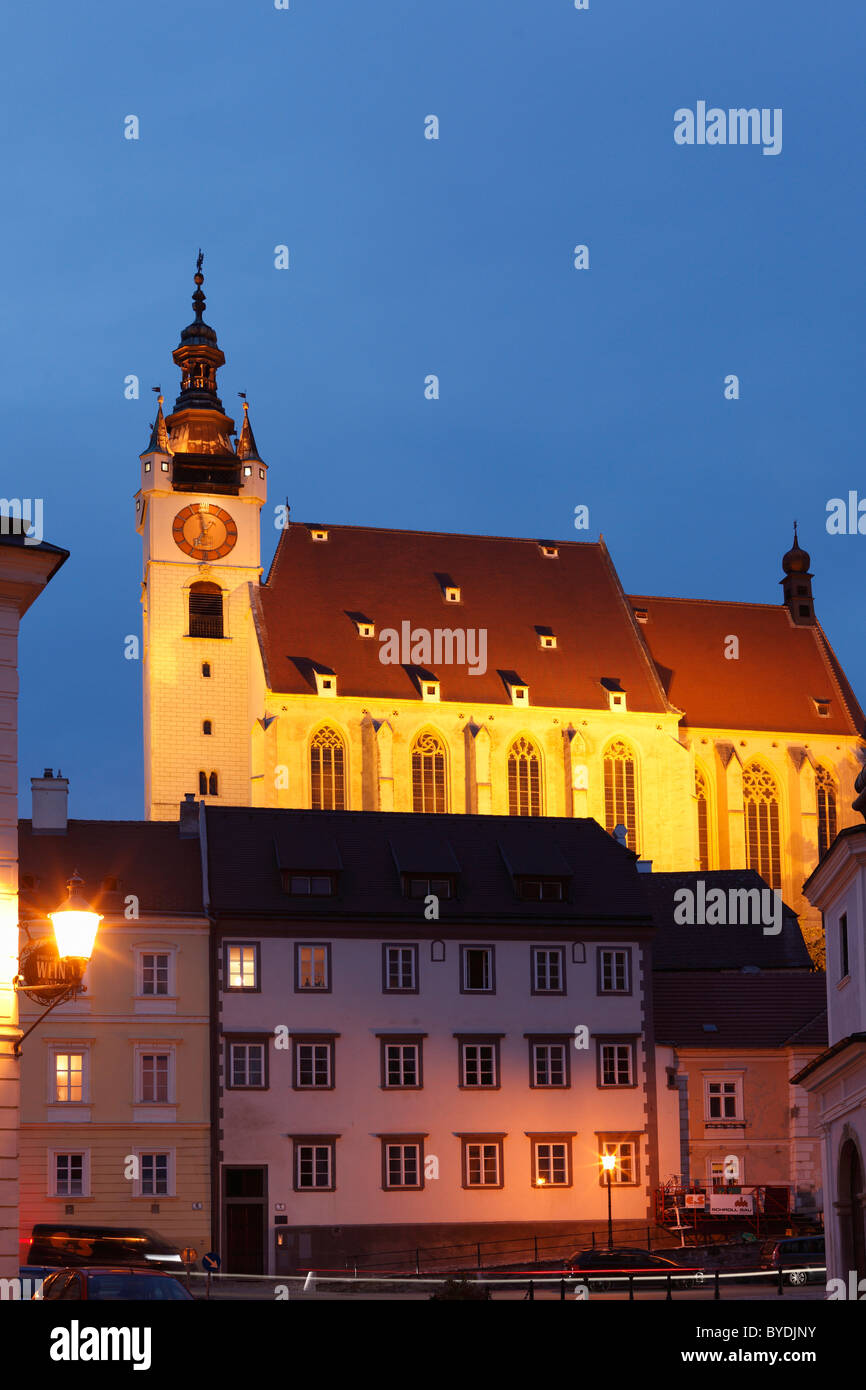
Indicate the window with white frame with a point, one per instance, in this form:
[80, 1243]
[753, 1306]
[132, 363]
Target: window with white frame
[155, 1075]
[723, 1098]
[482, 1163]
[242, 966]
[551, 1162]
[549, 1064]
[154, 973]
[614, 974]
[479, 1064]
[400, 969]
[312, 966]
[246, 1070]
[402, 1065]
[314, 1066]
[314, 1166]
[154, 1174]
[548, 976]
[69, 1173]
[68, 1075]
[625, 1169]
[402, 1164]
[616, 1064]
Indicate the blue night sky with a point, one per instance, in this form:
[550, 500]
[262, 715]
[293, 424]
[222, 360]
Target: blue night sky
[410, 256]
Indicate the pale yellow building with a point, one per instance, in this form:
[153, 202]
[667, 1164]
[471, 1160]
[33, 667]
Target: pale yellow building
[391, 670]
[115, 1101]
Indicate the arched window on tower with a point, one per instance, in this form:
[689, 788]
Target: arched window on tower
[205, 610]
[703, 802]
[524, 779]
[327, 771]
[213, 785]
[429, 774]
[763, 838]
[620, 791]
[825, 788]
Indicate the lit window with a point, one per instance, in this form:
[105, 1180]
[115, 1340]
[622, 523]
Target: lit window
[69, 1076]
[763, 838]
[429, 774]
[313, 967]
[327, 771]
[242, 963]
[524, 779]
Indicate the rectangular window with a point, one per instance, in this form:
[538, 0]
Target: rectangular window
[548, 976]
[414, 887]
[551, 1163]
[312, 967]
[400, 969]
[549, 1064]
[402, 1164]
[247, 1066]
[314, 1166]
[625, 1169]
[309, 885]
[154, 1175]
[154, 1077]
[614, 975]
[723, 1099]
[843, 945]
[482, 1163]
[69, 1077]
[69, 1175]
[616, 1067]
[242, 966]
[477, 962]
[314, 1065]
[541, 890]
[479, 1064]
[154, 973]
[402, 1065]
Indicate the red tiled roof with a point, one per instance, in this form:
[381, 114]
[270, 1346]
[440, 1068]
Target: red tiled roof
[507, 587]
[748, 1010]
[782, 668]
[148, 858]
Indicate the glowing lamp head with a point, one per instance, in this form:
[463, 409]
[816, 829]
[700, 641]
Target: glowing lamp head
[608, 1162]
[75, 923]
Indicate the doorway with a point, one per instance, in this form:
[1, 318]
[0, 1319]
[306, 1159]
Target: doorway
[245, 1209]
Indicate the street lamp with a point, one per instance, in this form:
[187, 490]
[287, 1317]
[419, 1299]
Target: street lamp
[75, 926]
[608, 1163]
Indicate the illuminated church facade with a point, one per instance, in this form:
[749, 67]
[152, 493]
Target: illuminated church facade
[409, 671]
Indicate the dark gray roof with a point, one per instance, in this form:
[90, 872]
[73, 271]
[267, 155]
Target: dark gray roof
[373, 849]
[680, 947]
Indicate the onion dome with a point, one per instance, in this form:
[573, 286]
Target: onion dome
[796, 561]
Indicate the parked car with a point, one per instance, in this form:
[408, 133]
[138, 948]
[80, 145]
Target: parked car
[104, 1283]
[803, 1258]
[604, 1269]
[61, 1245]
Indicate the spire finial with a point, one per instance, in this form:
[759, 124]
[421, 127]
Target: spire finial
[198, 301]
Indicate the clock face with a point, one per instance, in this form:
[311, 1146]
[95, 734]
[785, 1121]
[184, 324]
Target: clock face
[204, 531]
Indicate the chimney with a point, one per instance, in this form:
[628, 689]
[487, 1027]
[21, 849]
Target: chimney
[188, 823]
[49, 795]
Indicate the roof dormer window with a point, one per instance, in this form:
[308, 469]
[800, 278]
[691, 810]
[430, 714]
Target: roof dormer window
[550, 552]
[641, 614]
[823, 708]
[326, 683]
[430, 690]
[615, 692]
[519, 694]
[452, 593]
[317, 534]
[546, 638]
[364, 626]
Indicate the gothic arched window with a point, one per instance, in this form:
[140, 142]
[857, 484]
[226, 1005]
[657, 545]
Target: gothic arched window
[703, 801]
[429, 774]
[524, 779]
[620, 791]
[763, 838]
[327, 771]
[205, 610]
[825, 788]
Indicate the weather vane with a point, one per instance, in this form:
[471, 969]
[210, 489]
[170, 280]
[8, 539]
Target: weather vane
[199, 261]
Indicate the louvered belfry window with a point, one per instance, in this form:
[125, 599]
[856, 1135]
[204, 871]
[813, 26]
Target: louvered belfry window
[524, 779]
[620, 793]
[703, 820]
[327, 777]
[429, 777]
[763, 840]
[205, 610]
[825, 788]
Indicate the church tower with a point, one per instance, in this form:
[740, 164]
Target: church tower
[197, 511]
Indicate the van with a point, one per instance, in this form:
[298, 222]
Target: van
[801, 1258]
